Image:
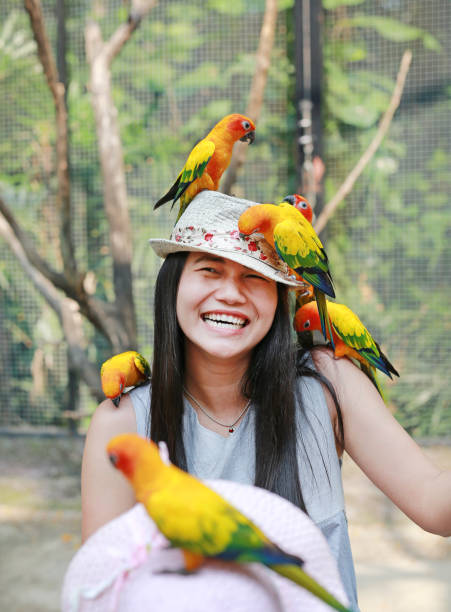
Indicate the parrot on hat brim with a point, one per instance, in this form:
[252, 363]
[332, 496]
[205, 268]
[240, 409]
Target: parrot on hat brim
[208, 160]
[198, 520]
[297, 244]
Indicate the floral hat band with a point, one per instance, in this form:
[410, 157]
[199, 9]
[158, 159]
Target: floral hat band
[210, 224]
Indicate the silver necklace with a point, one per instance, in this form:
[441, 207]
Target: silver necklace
[229, 427]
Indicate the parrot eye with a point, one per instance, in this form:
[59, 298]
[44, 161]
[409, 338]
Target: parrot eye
[303, 205]
[113, 458]
[246, 125]
[306, 324]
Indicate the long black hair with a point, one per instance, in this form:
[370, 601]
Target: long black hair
[269, 382]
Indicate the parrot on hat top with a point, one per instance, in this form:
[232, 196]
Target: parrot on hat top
[208, 160]
[350, 338]
[297, 244]
[127, 369]
[198, 520]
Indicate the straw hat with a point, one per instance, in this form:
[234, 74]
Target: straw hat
[210, 225]
[126, 565]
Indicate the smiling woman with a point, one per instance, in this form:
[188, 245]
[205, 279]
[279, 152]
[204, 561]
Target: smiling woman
[223, 308]
[235, 399]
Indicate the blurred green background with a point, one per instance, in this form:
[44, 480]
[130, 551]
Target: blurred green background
[187, 65]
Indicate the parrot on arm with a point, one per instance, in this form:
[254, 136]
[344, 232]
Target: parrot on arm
[208, 160]
[351, 338]
[303, 206]
[127, 369]
[198, 520]
[297, 244]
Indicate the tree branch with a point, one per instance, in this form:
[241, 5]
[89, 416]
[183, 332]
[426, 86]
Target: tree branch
[384, 124]
[100, 55]
[63, 200]
[253, 110]
[58, 279]
[66, 309]
[101, 314]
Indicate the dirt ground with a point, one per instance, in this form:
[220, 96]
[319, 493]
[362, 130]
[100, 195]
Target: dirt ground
[400, 568]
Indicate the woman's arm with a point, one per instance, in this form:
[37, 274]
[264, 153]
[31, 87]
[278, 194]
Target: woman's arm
[384, 451]
[105, 493]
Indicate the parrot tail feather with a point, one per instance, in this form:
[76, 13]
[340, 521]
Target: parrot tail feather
[379, 361]
[319, 279]
[297, 575]
[371, 373]
[170, 195]
[326, 327]
[269, 555]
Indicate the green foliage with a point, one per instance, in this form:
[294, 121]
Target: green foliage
[391, 29]
[186, 66]
[388, 243]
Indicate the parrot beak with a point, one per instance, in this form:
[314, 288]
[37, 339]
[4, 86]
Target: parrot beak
[305, 339]
[243, 236]
[290, 199]
[249, 137]
[116, 400]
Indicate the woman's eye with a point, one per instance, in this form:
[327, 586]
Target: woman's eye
[256, 276]
[211, 270]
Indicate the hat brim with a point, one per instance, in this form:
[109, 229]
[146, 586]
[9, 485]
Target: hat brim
[163, 248]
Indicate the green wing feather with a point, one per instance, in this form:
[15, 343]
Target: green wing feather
[350, 329]
[142, 365]
[195, 165]
[298, 249]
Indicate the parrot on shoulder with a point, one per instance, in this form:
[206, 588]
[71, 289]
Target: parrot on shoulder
[127, 369]
[350, 338]
[208, 160]
[198, 520]
[297, 244]
[302, 205]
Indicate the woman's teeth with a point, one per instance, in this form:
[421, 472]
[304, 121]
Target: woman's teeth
[223, 320]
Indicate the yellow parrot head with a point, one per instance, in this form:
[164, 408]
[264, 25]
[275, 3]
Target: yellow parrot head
[134, 455]
[241, 127]
[254, 219]
[307, 318]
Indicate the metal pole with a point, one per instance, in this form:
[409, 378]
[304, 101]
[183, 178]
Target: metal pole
[308, 60]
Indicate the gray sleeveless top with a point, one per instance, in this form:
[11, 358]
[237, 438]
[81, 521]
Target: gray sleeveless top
[212, 456]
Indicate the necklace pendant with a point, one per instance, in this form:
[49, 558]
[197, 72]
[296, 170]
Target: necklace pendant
[231, 430]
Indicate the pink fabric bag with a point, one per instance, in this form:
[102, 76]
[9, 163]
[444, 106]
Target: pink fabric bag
[126, 565]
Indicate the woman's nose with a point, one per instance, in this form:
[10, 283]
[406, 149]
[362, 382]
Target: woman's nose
[230, 291]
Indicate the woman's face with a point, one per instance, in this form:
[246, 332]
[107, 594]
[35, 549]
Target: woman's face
[223, 308]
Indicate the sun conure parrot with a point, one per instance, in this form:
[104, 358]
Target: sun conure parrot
[198, 520]
[301, 204]
[127, 369]
[351, 338]
[208, 160]
[305, 294]
[296, 243]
